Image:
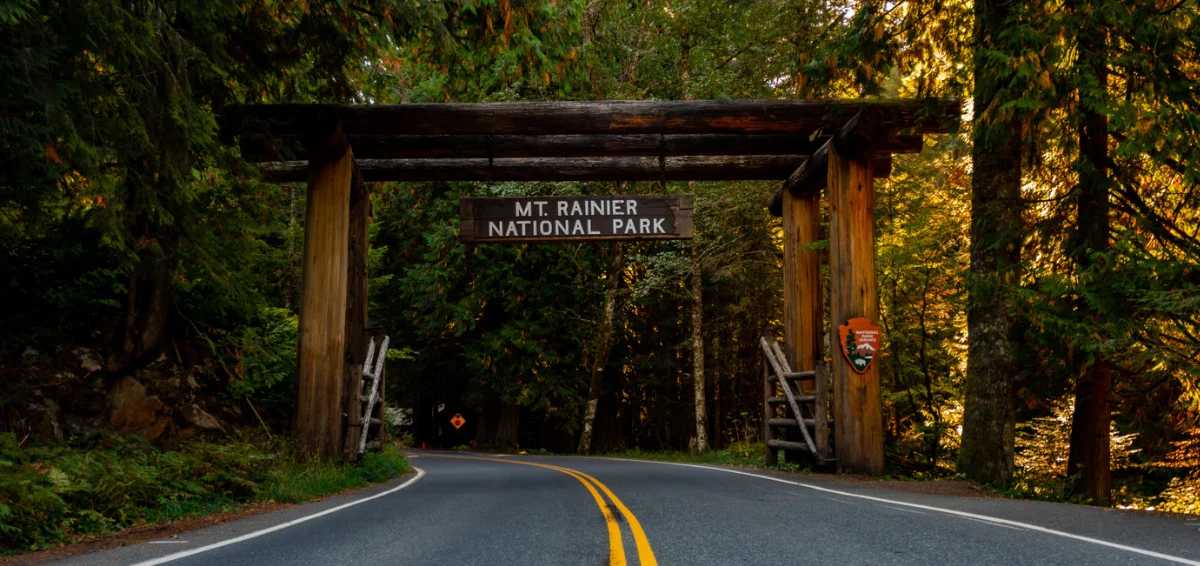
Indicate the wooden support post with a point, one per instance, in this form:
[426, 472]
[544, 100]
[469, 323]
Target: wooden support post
[322, 340]
[356, 314]
[802, 304]
[858, 418]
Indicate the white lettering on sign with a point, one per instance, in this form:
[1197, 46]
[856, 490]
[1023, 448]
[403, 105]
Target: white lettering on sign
[620, 207]
[550, 228]
[571, 218]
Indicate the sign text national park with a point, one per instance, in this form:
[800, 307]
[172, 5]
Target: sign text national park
[566, 219]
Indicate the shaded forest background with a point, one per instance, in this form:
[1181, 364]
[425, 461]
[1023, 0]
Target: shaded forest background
[150, 279]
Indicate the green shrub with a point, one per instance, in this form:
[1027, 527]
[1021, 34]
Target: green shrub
[298, 480]
[263, 359]
[53, 494]
[50, 495]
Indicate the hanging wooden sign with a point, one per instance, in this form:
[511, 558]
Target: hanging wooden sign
[860, 340]
[572, 219]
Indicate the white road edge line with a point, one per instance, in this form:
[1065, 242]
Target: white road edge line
[908, 510]
[964, 514]
[281, 526]
[994, 524]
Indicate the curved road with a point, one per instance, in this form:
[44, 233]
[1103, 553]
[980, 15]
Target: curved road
[479, 509]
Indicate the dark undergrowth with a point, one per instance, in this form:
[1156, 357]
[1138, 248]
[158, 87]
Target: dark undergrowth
[104, 483]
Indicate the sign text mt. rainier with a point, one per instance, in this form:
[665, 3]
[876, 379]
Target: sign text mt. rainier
[583, 218]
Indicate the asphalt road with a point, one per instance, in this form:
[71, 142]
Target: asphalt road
[486, 510]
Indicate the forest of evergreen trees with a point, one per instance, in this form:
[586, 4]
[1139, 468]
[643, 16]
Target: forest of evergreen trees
[1038, 269]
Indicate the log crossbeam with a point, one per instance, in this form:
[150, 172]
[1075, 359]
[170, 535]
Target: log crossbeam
[593, 117]
[699, 140]
[691, 168]
[269, 149]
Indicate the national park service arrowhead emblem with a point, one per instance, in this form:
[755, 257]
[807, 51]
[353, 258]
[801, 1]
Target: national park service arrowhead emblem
[860, 340]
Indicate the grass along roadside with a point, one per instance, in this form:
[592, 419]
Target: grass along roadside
[99, 485]
[740, 454]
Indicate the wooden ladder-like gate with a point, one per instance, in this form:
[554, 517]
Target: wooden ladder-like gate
[372, 379]
[783, 388]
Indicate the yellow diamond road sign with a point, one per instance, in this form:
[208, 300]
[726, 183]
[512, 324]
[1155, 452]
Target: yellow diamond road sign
[457, 420]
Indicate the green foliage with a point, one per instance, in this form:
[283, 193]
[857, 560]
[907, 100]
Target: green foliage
[1041, 460]
[298, 480]
[506, 314]
[488, 47]
[114, 190]
[56, 494]
[264, 364]
[60, 494]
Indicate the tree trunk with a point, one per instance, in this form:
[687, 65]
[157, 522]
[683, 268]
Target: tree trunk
[506, 430]
[488, 419]
[696, 279]
[1090, 454]
[698, 352]
[989, 418]
[289, 273]
[616, 266]
[147, 306]
[718, 439]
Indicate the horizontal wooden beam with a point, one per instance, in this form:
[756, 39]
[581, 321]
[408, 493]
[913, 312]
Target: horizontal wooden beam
[788, 445]
[725, 168]
[506, 146]
[595, 117]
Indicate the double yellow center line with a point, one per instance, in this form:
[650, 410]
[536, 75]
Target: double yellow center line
[616, 549]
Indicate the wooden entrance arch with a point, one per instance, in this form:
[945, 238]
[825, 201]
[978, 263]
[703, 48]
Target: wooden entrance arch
[841, 145]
